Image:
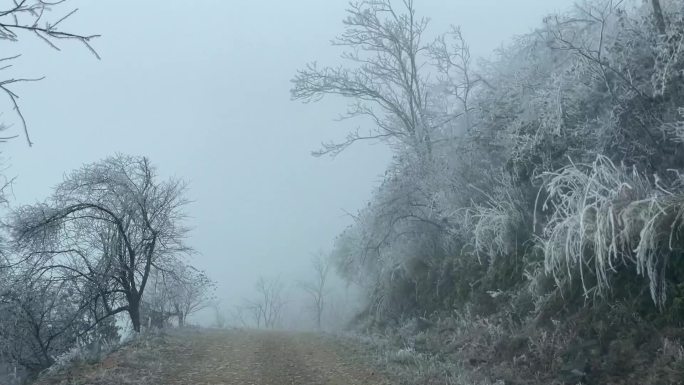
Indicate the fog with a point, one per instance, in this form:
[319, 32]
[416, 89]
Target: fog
[202, 89]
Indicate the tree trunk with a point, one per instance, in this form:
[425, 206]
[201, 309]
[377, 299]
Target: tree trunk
[180, 314]
[658, 15]
[134, 313]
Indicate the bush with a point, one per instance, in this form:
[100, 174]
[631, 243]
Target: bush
[603, 217]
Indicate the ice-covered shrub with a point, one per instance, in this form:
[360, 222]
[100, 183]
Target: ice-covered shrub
[90, 353]
[604, 216]
[494, 226]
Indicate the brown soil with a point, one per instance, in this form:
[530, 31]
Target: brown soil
[235, 357]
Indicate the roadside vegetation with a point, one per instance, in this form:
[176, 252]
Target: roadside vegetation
[103, 256]
[529, 229]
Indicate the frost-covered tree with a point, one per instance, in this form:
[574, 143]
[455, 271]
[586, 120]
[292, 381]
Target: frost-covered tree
[387, 79]
[316, 288]
[266, 308]
[107, 225]
[180, 290]
[22, 18]
[42, 317]
[420, 97]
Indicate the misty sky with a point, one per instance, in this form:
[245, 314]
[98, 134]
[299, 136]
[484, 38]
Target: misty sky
[202, 88]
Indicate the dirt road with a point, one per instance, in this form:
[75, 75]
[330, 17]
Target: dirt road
[229, 358]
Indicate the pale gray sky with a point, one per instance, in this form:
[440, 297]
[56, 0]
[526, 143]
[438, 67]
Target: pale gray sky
[202, 88]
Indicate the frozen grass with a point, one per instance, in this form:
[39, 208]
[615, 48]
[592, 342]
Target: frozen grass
[135, 361]
[449, 352]
[603, 216]
[465, 348]
[90, 354]
[408, 366]
[493, 226]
